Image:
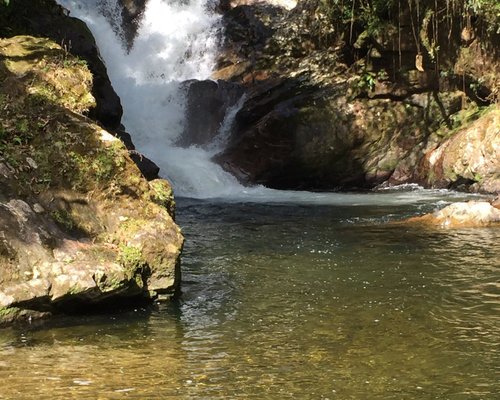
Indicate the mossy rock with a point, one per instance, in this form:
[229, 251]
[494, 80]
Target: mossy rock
[65, 243]
[46, 18]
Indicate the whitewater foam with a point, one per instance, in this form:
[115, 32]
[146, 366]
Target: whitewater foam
[177, 41]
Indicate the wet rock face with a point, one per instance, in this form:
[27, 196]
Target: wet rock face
[290, 134]
[208, 103]
[147, 167]
[80, 227]
[132, 11]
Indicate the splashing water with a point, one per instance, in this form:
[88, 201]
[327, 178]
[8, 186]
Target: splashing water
[177, 41]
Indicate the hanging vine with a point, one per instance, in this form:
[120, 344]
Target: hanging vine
[429, 43]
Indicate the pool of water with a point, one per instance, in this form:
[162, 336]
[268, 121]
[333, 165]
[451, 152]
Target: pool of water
[288, 301]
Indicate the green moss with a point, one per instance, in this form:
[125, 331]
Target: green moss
[463, 118]
[9, 313]
[163, 195]
[468, 115]
[132, 225]
[130, 257]
[41, 82]
[390, 164]
[63, 219]
[450, 175]
[478, 177]
[107, 162]
[78, 219]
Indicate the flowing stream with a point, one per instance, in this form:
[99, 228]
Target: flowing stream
[287, 301]
[286, 295]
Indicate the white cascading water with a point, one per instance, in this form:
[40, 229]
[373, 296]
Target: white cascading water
[177, 41]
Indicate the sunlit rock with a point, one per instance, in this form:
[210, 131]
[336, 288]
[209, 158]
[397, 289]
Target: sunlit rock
[80, 226]
[46, 18]
[470, 157]
[461, 215]
[355, 112]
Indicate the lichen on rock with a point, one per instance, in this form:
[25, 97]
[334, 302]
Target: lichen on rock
[80, 226]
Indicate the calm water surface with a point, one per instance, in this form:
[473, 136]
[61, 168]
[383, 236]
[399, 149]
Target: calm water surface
[288, 301]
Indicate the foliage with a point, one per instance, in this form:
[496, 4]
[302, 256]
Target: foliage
[489, 10]
[63, 219]
[367, 80]
[373, 16]
[132, 260]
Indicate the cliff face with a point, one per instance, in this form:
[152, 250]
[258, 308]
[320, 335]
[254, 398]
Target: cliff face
[338, 101]
[80, 225]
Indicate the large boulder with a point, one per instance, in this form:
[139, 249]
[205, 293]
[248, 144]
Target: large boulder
[45, 18]
[80, 227]
[291, 134]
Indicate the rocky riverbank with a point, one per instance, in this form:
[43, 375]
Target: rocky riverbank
[332, 101]
[81, 227]
[338, 105]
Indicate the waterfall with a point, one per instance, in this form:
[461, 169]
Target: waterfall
[177, 41]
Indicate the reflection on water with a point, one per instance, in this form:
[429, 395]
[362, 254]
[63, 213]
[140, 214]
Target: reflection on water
[289, 301]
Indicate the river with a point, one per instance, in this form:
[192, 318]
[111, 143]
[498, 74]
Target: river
[286, 295]
[289, 300]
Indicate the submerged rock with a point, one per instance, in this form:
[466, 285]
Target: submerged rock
[461, 215]
[79, 225]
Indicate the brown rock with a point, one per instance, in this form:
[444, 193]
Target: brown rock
[471, 157]
[80, 227]
[461, 215]
[46, 18]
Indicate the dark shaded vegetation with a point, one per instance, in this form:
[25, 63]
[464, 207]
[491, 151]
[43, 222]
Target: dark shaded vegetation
[386, 38]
